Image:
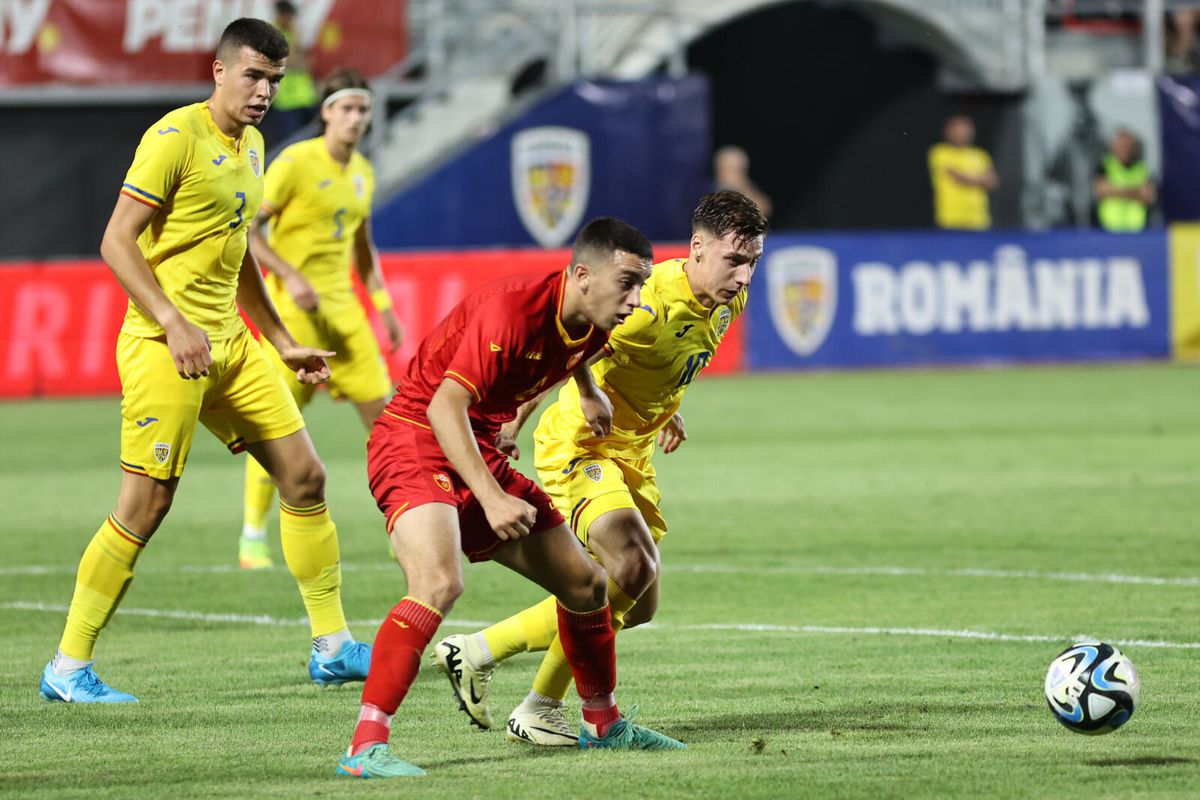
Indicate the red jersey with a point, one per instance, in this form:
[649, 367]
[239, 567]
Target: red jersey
[505, 342]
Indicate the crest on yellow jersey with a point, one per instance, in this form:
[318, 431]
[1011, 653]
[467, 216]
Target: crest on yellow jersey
[255, 162]
[724, 317]
[594, 471]
[802, 287]
[162, 451]
[551, 180]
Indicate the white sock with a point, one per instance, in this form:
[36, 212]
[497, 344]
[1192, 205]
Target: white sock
[330, 644]
[479, 652]
[251, 532]
[65, 665]
[534, 700]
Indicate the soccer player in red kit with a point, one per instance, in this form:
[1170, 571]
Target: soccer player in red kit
[442, 482]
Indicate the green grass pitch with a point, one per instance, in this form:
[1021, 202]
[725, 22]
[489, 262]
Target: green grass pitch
[866, 577]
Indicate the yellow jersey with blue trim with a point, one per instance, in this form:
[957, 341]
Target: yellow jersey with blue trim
[206, 188]
[319, 206]
[650, 360]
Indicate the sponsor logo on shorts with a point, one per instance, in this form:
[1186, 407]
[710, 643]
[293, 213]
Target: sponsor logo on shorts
[442, 480]
[162, 451]
[141, 423]
[594, 471]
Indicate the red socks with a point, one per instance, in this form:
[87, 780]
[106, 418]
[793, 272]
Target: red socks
[588, 643]
[395, 661]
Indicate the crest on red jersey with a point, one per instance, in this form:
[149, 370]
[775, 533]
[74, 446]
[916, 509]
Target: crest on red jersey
[442, 480]
[573, 360]
[802, 286]
[551, 179]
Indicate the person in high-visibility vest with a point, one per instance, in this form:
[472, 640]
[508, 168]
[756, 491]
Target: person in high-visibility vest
[1123, 187]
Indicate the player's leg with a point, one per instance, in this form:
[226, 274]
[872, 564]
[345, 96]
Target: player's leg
[647, 604]
[259, 492]
[425, 541]
[254, 411]
[555, 560]
[159, 411]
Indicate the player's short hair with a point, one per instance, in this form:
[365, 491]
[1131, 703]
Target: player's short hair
[727, 211]
[259, 35]
[604, 236]
[342, 78]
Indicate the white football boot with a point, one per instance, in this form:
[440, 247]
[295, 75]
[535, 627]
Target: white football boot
[470, 682]
[546, 725]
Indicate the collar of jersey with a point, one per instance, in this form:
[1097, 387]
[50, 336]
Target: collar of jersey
[562, 331]
[333, 163]
[228, 141]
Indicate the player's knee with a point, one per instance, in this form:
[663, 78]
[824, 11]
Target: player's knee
[641, 613]
[440, 589]
[635, 570]
[305, 483]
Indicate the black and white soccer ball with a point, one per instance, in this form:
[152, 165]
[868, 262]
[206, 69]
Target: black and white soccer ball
[1092, 688]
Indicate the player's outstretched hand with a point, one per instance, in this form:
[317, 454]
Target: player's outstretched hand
[302, 292]
[598, 411]
[309, 363]
[506, 442]
[672, 435]
[395, 331]
[190, 349]
[510, 517]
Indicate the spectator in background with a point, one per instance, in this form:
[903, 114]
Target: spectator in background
[1181, 40]
[1122, 185]
[731, 171]
[297, 98]
[962, 176]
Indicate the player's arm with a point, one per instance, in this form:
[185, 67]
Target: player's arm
[597, 408]
[510, 517]
[189, 346]
[308, 362]
[366, 263]
[296, 284]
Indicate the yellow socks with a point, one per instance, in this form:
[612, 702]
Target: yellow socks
[310, 547]
[529, 631]
[554, 678]
[104, 574]
[260, 490]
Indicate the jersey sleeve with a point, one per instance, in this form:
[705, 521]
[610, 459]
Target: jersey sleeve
[488, 345]
[639, 331]
[160, 161]
[280, 182]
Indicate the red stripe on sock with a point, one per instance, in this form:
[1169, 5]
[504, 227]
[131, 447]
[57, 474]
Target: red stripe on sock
[396, 654]
[588, 643]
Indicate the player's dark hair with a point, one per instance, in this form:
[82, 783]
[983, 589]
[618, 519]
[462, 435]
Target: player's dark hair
[603, 236]
[259, 35]
[343, 78]
[728, 211]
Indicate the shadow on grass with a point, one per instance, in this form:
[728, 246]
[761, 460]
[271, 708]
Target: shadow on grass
[808, 720]
[1142, 761]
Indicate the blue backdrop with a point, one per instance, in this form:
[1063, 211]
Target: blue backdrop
[841, 300]
[1179, 116]
[647, 147]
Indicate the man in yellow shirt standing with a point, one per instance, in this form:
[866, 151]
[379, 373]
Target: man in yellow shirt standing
[318, 202]
[177, 244]
[962, 176]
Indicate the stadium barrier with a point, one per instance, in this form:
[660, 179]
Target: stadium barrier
[818, 301]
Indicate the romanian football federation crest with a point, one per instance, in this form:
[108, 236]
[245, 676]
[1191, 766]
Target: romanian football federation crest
[255, 163]
[802, 287]
[162, 451]
[360, 185]
[551, 179]
[594, 471]
[724, 317]
[442, 480]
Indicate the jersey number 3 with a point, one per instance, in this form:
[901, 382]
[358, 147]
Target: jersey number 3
[240, 196]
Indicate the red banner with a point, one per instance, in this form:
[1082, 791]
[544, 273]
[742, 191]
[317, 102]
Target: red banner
[172, 41]
[59, 320]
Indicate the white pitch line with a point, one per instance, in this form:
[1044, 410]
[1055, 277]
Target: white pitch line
[471, 624]
[886, 571]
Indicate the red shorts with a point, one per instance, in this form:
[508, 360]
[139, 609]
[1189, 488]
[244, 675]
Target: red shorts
[406, 468]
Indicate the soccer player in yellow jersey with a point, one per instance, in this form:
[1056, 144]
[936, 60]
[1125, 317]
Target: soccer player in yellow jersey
[605, 485]
[318, 201]
[177, 244]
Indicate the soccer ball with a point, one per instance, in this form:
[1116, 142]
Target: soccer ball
[1092, 688]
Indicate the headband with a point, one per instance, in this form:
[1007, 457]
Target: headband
[340, 93]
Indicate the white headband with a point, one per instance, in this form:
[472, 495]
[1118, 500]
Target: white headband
[340, 93]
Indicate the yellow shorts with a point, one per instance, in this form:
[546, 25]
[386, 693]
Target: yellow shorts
[587, 485]
[357, 373]
[242, 400]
